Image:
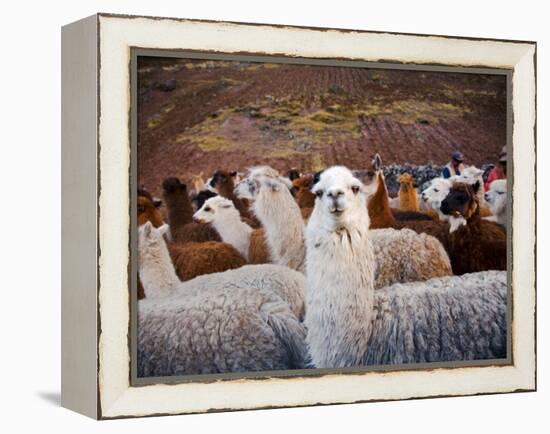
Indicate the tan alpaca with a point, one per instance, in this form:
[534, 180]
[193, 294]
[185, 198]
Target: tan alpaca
[408, 200]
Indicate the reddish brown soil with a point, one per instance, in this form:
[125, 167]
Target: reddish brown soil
[232, 115]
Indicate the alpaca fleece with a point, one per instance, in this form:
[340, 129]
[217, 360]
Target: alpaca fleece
[194, 259]
[442, 319]
[286, 283]
[405, 256]
[258, 250]
[217, 331]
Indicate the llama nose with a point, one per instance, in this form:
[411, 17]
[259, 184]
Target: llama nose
[486, 196]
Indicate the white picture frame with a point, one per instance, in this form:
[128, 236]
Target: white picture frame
[96, 136]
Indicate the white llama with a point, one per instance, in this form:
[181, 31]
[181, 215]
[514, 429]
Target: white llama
[349, 323]
[496, 199]
[226, 219]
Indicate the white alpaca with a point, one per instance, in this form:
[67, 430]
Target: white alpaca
[157, 279]
[350, 324]
[471, 175]
[435, 194]
[496, 198]
[279, 214]
[226, 219]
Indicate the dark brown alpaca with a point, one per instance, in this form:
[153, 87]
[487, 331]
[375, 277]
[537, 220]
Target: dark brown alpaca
[304, 197]
[180, 215]
[480, 244]
[224, 183]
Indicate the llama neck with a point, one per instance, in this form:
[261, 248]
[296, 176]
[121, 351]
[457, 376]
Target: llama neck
[234, 232]
[379, 206]
[283, 225]
[180, 211]
[339, 294]
[156, 270]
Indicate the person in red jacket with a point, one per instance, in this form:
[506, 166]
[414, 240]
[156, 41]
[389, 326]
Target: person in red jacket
[499, 171]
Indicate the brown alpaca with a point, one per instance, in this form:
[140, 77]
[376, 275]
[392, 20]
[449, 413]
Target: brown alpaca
[258, 250]
[195, 259]
[180, 215]
[301, 187]
[408, 200]
[224, 183]
[478, 245]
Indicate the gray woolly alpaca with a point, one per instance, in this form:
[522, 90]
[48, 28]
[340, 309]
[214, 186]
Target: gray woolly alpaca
[288, 284]
[350, 324]
[216, 331]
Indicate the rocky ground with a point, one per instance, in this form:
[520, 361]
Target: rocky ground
[198, 116]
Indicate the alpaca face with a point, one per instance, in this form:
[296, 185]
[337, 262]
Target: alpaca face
[496, 196]
[436, 192]
[461, 200]
[216, 208]
[149, 238]
[147, 210]
[405, 181]
[174, 190]
[340, 199]
[471, 175]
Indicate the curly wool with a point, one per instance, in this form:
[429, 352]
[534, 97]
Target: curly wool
[198, 332]
[443, 319]
[283, 281]
[405, 256]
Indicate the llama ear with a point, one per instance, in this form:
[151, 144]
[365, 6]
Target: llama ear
[233, 174]
[157, 202]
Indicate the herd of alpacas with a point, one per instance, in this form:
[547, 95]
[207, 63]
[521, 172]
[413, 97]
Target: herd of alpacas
[262, 272]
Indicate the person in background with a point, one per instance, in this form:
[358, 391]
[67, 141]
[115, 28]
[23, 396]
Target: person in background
[455, 166]
[499, 171]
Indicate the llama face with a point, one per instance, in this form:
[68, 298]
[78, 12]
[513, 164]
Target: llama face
[461, 200]
[340, 199]
[174, 190]
[496, 196]
[215, 208]
[249, 187]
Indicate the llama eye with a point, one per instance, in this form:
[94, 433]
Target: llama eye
[208, 209]
[355, 189]
[319, 193]
[436, 190]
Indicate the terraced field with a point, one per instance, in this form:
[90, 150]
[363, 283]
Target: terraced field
[198, 116]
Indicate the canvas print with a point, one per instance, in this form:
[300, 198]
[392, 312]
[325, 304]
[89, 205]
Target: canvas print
[295, 217]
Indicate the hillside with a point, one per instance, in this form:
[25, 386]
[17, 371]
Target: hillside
[198, 116]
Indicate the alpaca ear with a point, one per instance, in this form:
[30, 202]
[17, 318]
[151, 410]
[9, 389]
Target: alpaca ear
[377, 162]
[163, 229]
[157, 202]
[147, 227]
[233, 174]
